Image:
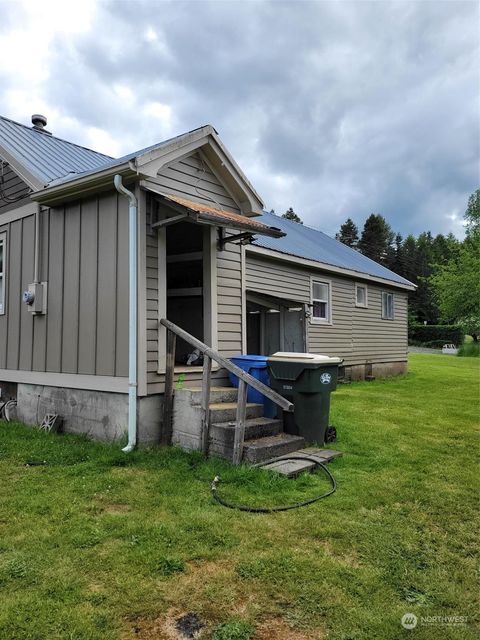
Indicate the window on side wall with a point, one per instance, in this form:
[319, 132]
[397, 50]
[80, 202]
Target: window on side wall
[321, 306]
[361, 295]
[3, 255]
[387, 306]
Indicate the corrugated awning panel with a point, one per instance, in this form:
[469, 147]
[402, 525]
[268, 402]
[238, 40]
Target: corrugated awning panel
[206, 214]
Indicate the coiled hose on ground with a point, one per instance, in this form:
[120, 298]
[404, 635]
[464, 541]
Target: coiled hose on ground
[296, 505]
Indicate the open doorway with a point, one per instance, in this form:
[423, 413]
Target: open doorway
[274, 325]
[185, 283]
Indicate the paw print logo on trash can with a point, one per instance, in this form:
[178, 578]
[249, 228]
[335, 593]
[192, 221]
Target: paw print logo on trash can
[325, 378]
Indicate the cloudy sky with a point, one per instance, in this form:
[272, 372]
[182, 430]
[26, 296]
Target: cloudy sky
[335, 108]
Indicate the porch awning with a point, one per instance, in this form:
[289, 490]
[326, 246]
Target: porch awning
[205, 214]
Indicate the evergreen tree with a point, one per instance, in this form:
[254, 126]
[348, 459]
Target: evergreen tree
[376, 239]
[395, 255]
[424, 300]
[291, 215]
[408, 262]
[348, 233]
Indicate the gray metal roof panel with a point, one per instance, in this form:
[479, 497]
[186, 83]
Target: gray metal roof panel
[305, 242]
[56, 161]
[45, 156]
[113, 162]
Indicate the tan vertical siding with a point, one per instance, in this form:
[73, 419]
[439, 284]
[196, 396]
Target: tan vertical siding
[84, 248]
[15, 251]
[71, 278]
[106, 287]
[26, 319]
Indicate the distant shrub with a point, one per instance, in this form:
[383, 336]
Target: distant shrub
[436, 334]
[469, 350]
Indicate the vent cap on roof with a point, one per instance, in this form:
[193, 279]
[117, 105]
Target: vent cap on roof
[39, 122]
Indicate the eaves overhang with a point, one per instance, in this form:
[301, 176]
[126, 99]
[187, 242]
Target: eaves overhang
[83, 186]
[323, 266]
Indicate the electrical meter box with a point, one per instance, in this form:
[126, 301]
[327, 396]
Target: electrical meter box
[35, 297]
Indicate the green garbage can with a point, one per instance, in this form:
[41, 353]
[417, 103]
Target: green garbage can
[307, 380]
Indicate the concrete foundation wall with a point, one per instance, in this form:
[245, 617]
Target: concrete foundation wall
[98, 414]
[376, 369]
[187, 420]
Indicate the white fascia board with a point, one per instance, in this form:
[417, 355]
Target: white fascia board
[322, 266]
[85, 185]
[229, 161]
[32, 181]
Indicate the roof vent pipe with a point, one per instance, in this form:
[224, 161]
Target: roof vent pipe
[39, 121]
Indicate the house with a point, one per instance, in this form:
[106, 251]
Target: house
[94, 251]
[308, 292]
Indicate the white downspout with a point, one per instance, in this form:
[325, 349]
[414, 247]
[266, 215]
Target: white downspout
[132, 314]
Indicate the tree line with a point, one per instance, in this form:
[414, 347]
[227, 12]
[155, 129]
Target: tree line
[445, 270]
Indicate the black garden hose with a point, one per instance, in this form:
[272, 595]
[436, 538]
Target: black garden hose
[296, 505]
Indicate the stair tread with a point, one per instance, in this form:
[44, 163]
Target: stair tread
[214, 389]
[270, 441]
[232, 405]
[249, 422]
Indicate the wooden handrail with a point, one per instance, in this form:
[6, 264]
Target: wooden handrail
[245, 381]
[282, 402]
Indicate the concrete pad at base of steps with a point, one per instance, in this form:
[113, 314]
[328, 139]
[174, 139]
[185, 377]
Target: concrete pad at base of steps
[293, 468]
[290, 468]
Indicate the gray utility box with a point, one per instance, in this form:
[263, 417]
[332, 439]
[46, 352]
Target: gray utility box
[307, 380]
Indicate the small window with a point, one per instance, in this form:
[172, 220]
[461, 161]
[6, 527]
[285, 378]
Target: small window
[361, 297]
[320, 301]
[3, 246]
[387, 305]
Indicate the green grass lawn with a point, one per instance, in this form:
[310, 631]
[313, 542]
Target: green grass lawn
[96, 544]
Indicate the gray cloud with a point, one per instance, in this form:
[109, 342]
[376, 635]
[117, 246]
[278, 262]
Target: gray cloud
[335, 108]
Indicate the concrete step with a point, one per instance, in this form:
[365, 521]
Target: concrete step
[254, 428]
[290, 468]
[227, 411]
[271, 447]
[217, 394]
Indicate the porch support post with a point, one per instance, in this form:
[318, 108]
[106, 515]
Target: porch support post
[240, 422]
[166, 434]
[206, 383]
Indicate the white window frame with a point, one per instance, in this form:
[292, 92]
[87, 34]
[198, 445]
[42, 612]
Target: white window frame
[359, 285]
[328, 319]
[385, 315]
[3, 279]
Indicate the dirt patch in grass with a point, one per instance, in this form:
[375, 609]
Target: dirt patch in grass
[116, 508]
[172, 626]
[278, 629]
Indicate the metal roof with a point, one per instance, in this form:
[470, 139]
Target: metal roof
[54, 161]
[305, 242]
[45, 156]
[113, 162]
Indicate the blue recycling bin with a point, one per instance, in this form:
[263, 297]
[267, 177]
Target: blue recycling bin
[257, 367]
